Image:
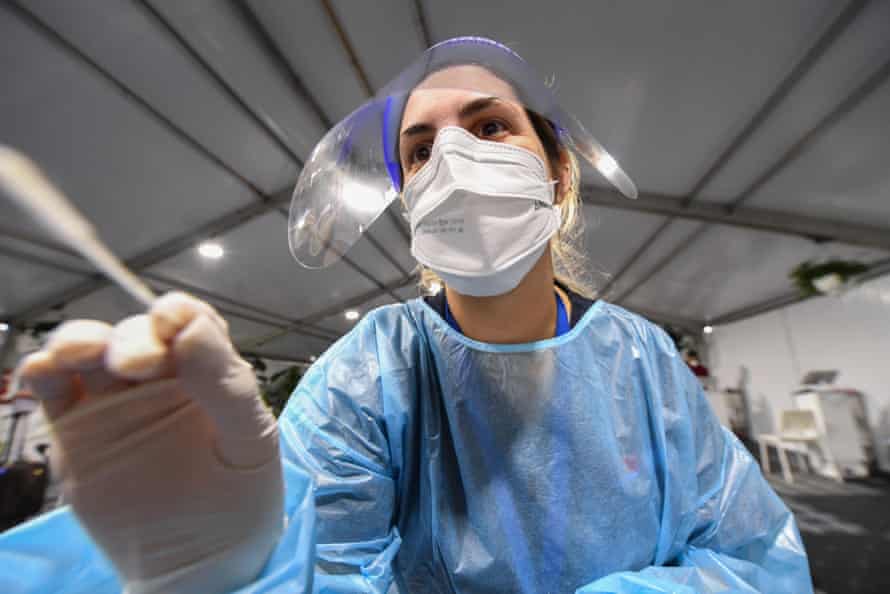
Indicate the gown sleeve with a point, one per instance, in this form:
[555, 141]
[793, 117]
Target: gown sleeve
[339, 498]
[723, 527]
[53, 553]
[333, 430]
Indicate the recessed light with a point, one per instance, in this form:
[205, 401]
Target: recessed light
[351, 315]
[211, 250]
[708, 329]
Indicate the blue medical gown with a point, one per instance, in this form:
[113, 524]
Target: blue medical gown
[418, 460]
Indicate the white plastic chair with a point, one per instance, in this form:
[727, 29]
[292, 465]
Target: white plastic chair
[797, 428]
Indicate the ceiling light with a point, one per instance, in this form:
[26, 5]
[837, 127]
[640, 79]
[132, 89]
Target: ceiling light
[351, 315]
[708, 329]
[312, 358]
[4, 327]
[211, 250]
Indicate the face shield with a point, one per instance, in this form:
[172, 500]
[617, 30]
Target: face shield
[355, 172]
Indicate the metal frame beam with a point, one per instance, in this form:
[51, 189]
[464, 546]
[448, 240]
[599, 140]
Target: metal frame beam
[255, 27]
[261, 122]
[761, 219]
[423, 27]
[850, 12]
[17, 254]
[283, 323]
[305, 326]
[662, 262]
[227, 89]
[157, 254]
[299, 329]
[263, 203]
[334, 309]
[877, 269]
[358, 300]
[774, 221]
[859, 94]
[357, 67]
[878, 78]
[230, 220]
[245, 311]
[365, 82]
[31, 19]
[264, 316]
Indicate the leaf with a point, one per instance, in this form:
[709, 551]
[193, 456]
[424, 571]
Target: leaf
[805, 273]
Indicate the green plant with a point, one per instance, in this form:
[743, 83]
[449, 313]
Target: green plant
[805, 273]
[279, 388]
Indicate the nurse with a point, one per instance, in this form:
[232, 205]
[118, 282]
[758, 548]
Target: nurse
[510, 434]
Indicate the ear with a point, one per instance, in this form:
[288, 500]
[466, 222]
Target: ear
[563, 174]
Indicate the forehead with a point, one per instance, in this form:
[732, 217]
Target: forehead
[441, 95]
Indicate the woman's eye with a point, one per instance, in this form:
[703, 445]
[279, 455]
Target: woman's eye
[421, 153]
[491, 128]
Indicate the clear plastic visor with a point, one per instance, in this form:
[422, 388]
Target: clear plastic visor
[361, 165]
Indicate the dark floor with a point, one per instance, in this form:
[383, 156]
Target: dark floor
[846, 530]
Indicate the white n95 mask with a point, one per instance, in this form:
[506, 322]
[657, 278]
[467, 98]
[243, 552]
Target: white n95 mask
[481, 212]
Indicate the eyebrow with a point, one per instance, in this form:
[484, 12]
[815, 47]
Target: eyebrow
[466, 111]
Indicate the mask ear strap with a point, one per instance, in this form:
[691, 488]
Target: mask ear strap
[556, 197]
[554, 183]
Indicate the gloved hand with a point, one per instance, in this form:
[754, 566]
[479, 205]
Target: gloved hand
[170, 457]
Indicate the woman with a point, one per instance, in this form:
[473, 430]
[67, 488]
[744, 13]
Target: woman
[507, 435]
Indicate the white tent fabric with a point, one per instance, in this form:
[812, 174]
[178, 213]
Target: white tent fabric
[170, 123]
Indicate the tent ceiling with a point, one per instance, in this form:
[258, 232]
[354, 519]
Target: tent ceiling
[664, 85]
[169, 123]
[608, 233]
[731, 268]
[128, 174]
[274, 281]
[312, 48]
[845, 176]
[848, 61]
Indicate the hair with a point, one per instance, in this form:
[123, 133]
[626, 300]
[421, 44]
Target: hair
[570, 265]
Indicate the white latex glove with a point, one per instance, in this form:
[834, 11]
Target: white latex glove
[171, 459]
